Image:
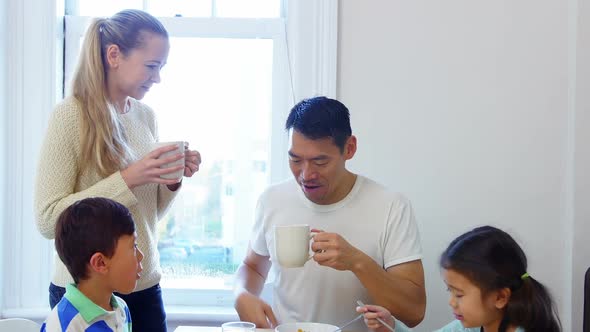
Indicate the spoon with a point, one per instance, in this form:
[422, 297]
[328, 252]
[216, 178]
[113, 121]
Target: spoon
[378, 319]
[345, 325]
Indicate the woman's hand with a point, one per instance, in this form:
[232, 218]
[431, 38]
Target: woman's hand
[371, 312]
[192, 160]
[147, 170]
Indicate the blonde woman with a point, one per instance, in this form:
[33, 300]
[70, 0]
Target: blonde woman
[98, 144]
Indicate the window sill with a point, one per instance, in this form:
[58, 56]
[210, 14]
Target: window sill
[36, 314]
[193, 315]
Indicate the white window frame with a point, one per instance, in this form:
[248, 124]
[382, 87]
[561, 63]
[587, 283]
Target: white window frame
[32, 39]
[34, 44]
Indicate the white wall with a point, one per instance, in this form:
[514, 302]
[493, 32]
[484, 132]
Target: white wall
[463, 106]
[581, 247]
[3, 138]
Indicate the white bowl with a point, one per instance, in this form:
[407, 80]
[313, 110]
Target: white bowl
[305, 327]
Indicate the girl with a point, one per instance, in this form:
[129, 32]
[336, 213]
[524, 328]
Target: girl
[98, 143]
[490, 290]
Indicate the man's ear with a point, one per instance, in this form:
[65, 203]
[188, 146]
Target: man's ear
[502, 297]
[99, 263]
[113, 56]
[350, 147]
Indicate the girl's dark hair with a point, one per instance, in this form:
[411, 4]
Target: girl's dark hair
[321, 117]
[89, 226]
[492, 260]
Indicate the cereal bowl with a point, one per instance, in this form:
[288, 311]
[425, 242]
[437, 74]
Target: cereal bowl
[305, 327]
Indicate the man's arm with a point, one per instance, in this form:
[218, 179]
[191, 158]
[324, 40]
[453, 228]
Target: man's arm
[252, 273]
[400, 288]
[249, 282]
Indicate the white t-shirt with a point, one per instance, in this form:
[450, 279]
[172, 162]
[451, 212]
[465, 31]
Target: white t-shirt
[372, 219]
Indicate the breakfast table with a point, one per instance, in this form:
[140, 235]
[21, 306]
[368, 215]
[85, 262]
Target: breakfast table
[187, 328]
[209, 329]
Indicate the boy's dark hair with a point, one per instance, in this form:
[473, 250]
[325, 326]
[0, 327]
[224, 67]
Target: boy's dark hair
[89, 226]
[321, 117]
[492, 260]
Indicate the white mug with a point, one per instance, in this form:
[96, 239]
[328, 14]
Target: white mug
[292, 244]
[174, 175]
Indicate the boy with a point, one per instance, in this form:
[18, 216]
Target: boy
[95, 239]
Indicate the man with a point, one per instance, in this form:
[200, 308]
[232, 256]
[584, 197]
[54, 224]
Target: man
[367, 248]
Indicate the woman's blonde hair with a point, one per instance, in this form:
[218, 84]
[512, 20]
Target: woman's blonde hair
[102, 137]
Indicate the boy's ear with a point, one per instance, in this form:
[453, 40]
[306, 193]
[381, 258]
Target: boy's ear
[99, 263]
[502, 297]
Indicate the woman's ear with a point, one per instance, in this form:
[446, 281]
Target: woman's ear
[99, 263]
[502, 297]
[113, 56]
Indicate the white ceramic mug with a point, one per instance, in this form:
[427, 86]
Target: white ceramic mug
[174, 175]
[292, 244]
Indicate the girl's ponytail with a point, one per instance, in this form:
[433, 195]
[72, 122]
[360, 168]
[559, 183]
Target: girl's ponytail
[532, 308]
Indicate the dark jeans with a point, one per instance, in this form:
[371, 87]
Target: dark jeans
[146, 307]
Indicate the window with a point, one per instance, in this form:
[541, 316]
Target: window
[217, 95]
[223, 91]
[38, 71]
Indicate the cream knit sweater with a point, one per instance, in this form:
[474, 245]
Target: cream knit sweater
[59, 183]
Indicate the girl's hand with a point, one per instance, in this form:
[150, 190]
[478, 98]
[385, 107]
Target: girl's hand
[371, 312]
[192, 160]
[147, 170]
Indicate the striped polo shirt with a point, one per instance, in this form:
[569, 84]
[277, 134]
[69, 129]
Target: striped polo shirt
[76, 313]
